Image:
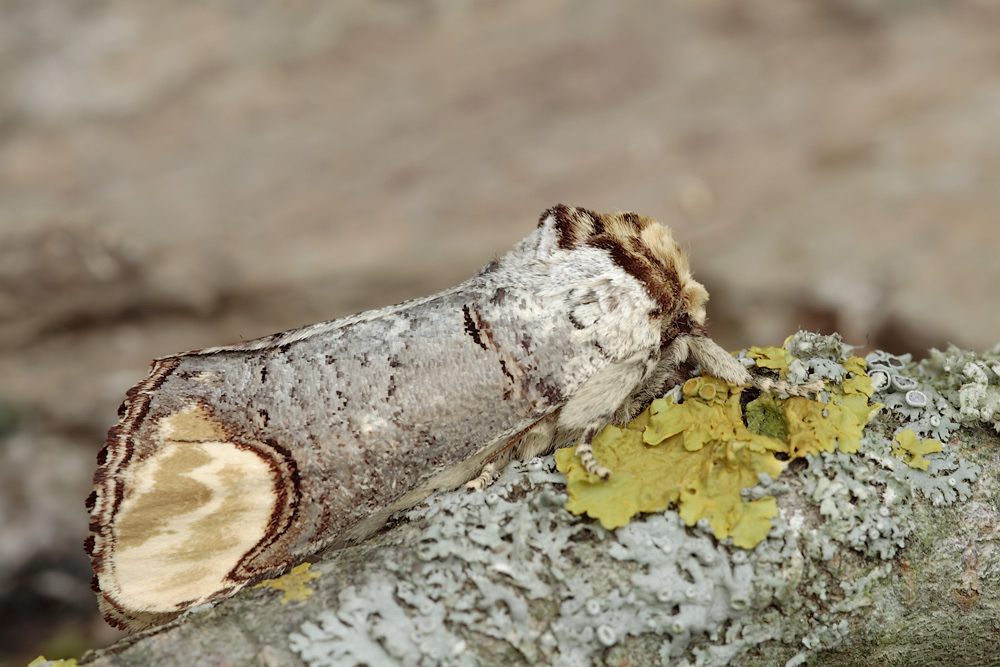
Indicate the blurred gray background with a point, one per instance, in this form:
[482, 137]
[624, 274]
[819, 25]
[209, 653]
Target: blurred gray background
[179, 174]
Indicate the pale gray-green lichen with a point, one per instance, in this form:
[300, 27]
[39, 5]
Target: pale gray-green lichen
[968, 381]
[484, 568]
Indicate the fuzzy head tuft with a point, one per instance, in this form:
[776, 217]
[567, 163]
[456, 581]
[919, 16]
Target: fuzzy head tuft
[643, 247]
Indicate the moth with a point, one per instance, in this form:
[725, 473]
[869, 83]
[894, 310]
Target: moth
[230, 464]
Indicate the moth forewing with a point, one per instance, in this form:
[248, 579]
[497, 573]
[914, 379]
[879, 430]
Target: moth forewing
[232, 463]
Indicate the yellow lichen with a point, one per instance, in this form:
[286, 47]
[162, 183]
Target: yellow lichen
[860, 384]
[815, 427]
[776, 358]
[294, 584]
[42, 660]
[821, 427]
[912, 451]
[699, 454]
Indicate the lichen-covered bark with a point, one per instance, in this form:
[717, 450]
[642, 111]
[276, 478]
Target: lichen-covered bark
[870, 561]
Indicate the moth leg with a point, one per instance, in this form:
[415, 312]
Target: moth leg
[718, 363]
[485, 478]
[537, 440]
[595, 404]
[585, 450]
[671, 368]
[540, 439]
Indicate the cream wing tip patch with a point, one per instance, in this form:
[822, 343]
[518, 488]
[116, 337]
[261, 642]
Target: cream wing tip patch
[189, 514]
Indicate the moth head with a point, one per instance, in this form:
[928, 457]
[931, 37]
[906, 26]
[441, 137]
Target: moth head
[692, 295]
[641, 246]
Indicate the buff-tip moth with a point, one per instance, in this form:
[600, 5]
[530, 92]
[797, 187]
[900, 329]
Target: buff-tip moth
[231, 464]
